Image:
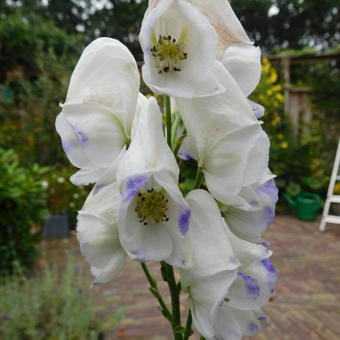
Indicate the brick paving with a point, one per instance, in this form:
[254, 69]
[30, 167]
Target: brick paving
[306, 304]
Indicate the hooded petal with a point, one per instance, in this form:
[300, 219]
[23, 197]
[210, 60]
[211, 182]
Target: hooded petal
[98, 236]
[148, 151]
[206, 295]
[233, 324]
[107, 75]
[91, 137]
[243, 61]
[253, 210]
[224, 20]
[177, 41]
[211, 249]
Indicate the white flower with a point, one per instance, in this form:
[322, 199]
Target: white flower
[236, 52]
[154, 217]
[179, 47]
[98, 234]
[228, 142]
[95, 122]
[223, 19]
[60, 180]
[252, 211]
[226, 305]
[239, 313]
[243, 61]
[213, 266]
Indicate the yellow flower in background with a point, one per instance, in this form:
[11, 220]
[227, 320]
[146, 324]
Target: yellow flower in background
[337, 188]
[284, 145]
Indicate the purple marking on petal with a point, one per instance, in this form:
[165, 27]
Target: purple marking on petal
[258, 112]
[265, 244]
[184, 156]
[270, 189]
[252, 327]
[68, 145]
[268, 215]
[81, 137]
[183, 221]
[251, 284]
[262, 318]
[272, 274]
[133, 185]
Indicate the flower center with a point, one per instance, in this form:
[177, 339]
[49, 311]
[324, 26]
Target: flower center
[151, 206]
[169, 53]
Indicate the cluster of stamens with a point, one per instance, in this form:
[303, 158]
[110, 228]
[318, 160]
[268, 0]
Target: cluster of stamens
[151, 206]
[168, 53]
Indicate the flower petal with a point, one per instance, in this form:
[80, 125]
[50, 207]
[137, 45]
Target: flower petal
[243, 61]
[233, 324]
[196, 50]
[107, 75]
[224, 20]
[97, 233]
[148, 151]
[212, 251]
[91, 137]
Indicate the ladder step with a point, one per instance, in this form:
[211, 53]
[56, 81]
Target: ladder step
[334, 199]
[332, 219]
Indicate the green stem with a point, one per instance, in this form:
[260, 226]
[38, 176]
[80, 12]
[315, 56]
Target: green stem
[167, 107]
[155, 292]
[169, 277]
[188, 330]
[198, 179]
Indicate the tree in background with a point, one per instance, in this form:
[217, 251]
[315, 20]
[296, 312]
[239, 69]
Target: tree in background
[292, 24]
[272, 24]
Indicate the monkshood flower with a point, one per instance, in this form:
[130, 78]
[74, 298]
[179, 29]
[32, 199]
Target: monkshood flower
[98, 234]
[96, 119]
[154, 217]
[179, 47]
[253, 210]
[239, 313]
[222, 17]
[227, 140]
[226, 306]
[213, 262]
[236, 52]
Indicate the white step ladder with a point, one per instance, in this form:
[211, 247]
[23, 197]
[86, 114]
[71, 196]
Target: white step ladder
[331, 197]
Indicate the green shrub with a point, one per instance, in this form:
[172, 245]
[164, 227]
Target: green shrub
[52, 305]
[22, 205]
[36, 59]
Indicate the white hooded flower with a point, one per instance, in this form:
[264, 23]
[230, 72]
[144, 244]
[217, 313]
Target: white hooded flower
[213, 262]
[228, 307]
[98, 234]
[252, 211]
[228, 142]
[239, 313]
[154, 216]
[96, 119]
[179, 47]
[235, 51]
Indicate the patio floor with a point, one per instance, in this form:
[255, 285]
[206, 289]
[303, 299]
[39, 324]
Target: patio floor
[306, 304]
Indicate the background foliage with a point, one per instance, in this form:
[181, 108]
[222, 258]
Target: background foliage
[22, 203]
[51, 305]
